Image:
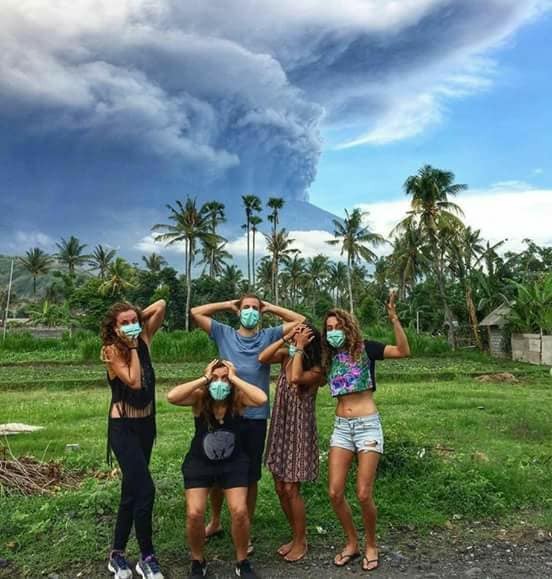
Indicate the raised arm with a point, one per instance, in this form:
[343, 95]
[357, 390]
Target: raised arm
[277, 352]
[401, 349]
[188, 394]
[251, 395]
[153, 317]
[129, 374]
[303, 337]
[202, 314]
[289, 317]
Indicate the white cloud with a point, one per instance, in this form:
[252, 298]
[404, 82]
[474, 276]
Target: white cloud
[24, 240]
[309, 243]
[500, 213]
[148, 245]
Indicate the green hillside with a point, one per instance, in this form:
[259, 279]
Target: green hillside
[22, 280]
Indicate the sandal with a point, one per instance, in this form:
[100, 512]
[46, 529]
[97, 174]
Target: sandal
[345, 558]
[301, 556]
[365, 568]
[250, 548]
[214, 534]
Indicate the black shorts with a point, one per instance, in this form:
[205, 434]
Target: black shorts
[252, 436]
[201, 473]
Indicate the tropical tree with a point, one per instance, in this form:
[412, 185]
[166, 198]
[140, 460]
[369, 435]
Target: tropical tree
[154, 262]
[70, 253]
[254, 221]
[296, 272]
[432, 212]
[101, 259]
[317, 272]
[276, 204]
[251, 204]
[37, 263]
[337, 280]
[50, 315]
[214, 256]
[232, 276]
[189, 225]
[263, 277]
[119, 279]
[353, 238]
[408, 260]
[215, 213]
[279, 247]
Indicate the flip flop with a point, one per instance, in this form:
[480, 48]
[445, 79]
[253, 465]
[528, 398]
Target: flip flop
[345, 558]
[301, 556]
[368, 561]
[250, 549]
[217, 533]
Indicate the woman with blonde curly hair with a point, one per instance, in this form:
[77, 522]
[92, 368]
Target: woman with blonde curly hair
[349, 365]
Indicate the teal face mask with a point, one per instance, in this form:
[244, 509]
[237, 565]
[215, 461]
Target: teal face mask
[249, 318]
[336, 338]
[219, 389]
[132, 330]
[292, 349]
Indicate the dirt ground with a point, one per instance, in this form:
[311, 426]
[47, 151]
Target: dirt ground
[481, 552]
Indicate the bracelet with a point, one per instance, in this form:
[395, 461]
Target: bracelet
[285, 341]
[299, 350]
[206, 378]
[133, 347]
[395, 319]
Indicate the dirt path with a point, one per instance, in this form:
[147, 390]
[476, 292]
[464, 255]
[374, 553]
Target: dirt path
[485, 553]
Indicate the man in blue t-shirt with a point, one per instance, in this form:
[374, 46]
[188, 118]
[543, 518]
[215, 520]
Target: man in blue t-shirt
[242, 347]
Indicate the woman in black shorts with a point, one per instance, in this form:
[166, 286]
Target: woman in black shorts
[216, 456]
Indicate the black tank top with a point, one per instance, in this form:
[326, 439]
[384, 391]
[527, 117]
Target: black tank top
[134, 404]
[130, 399]
[214, 441]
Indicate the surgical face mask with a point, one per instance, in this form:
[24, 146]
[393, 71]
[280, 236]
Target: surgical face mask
[219, 389]
[249, 317]
[132, 330]
[292, 349]
[336, 338]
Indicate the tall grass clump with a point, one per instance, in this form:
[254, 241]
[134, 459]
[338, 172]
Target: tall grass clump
[180, 346]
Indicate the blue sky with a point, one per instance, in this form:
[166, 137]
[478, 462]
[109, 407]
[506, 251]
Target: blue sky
[503, 133]
[108, 111]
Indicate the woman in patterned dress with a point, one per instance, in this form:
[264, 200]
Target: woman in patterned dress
[292, 449]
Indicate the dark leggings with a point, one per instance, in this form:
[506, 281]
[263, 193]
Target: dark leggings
[132, 440]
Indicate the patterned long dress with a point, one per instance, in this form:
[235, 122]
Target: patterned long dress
[292, 449]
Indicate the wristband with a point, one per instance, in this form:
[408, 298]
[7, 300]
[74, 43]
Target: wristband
[285, 341]
[395, 319]
[299, 350]
[133, 347]
[206, 378]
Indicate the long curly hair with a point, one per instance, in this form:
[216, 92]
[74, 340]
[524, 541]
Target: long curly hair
[353, 337]
[234, 401]
[108, 328]
[313, 350]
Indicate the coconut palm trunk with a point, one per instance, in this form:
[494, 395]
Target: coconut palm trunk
[350, 284]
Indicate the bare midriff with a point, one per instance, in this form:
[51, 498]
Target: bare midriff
[130, 411]
[356, 405]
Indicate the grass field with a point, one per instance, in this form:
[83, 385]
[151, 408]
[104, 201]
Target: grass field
[456, 449]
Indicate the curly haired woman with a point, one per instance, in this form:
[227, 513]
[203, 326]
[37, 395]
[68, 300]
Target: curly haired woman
[126, 334]
[349, 364]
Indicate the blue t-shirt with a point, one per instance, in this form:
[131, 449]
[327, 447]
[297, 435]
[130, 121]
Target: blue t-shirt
[243, 352]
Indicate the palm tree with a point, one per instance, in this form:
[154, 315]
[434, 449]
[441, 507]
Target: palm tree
[263, 277]
[317, 270]
[101, 259]
[71, 253]
[154, 262]
[408, 259]
[276, 204]
[232, 276]
[296, 272]
[214, 256]
[215, 214]
[120, 278]
[435, 216]
[279, 246]
[190, 225]
[254, 220]
[337, 274]
[353, 237]
[251, 204]
[36, 262]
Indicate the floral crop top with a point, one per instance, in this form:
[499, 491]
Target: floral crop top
[348, 376]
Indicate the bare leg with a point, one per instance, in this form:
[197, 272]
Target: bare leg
[284, 502]
[236, 499]
[196, 503]
[339, 462]
[252, 491]
[367, 468]
[298, 522]
[217, 497]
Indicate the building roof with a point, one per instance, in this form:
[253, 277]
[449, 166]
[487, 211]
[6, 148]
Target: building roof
[497, 317]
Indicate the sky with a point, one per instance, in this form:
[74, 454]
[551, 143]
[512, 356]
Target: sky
[108, 111]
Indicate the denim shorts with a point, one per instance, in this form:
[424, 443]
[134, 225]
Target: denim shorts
[360, 434]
